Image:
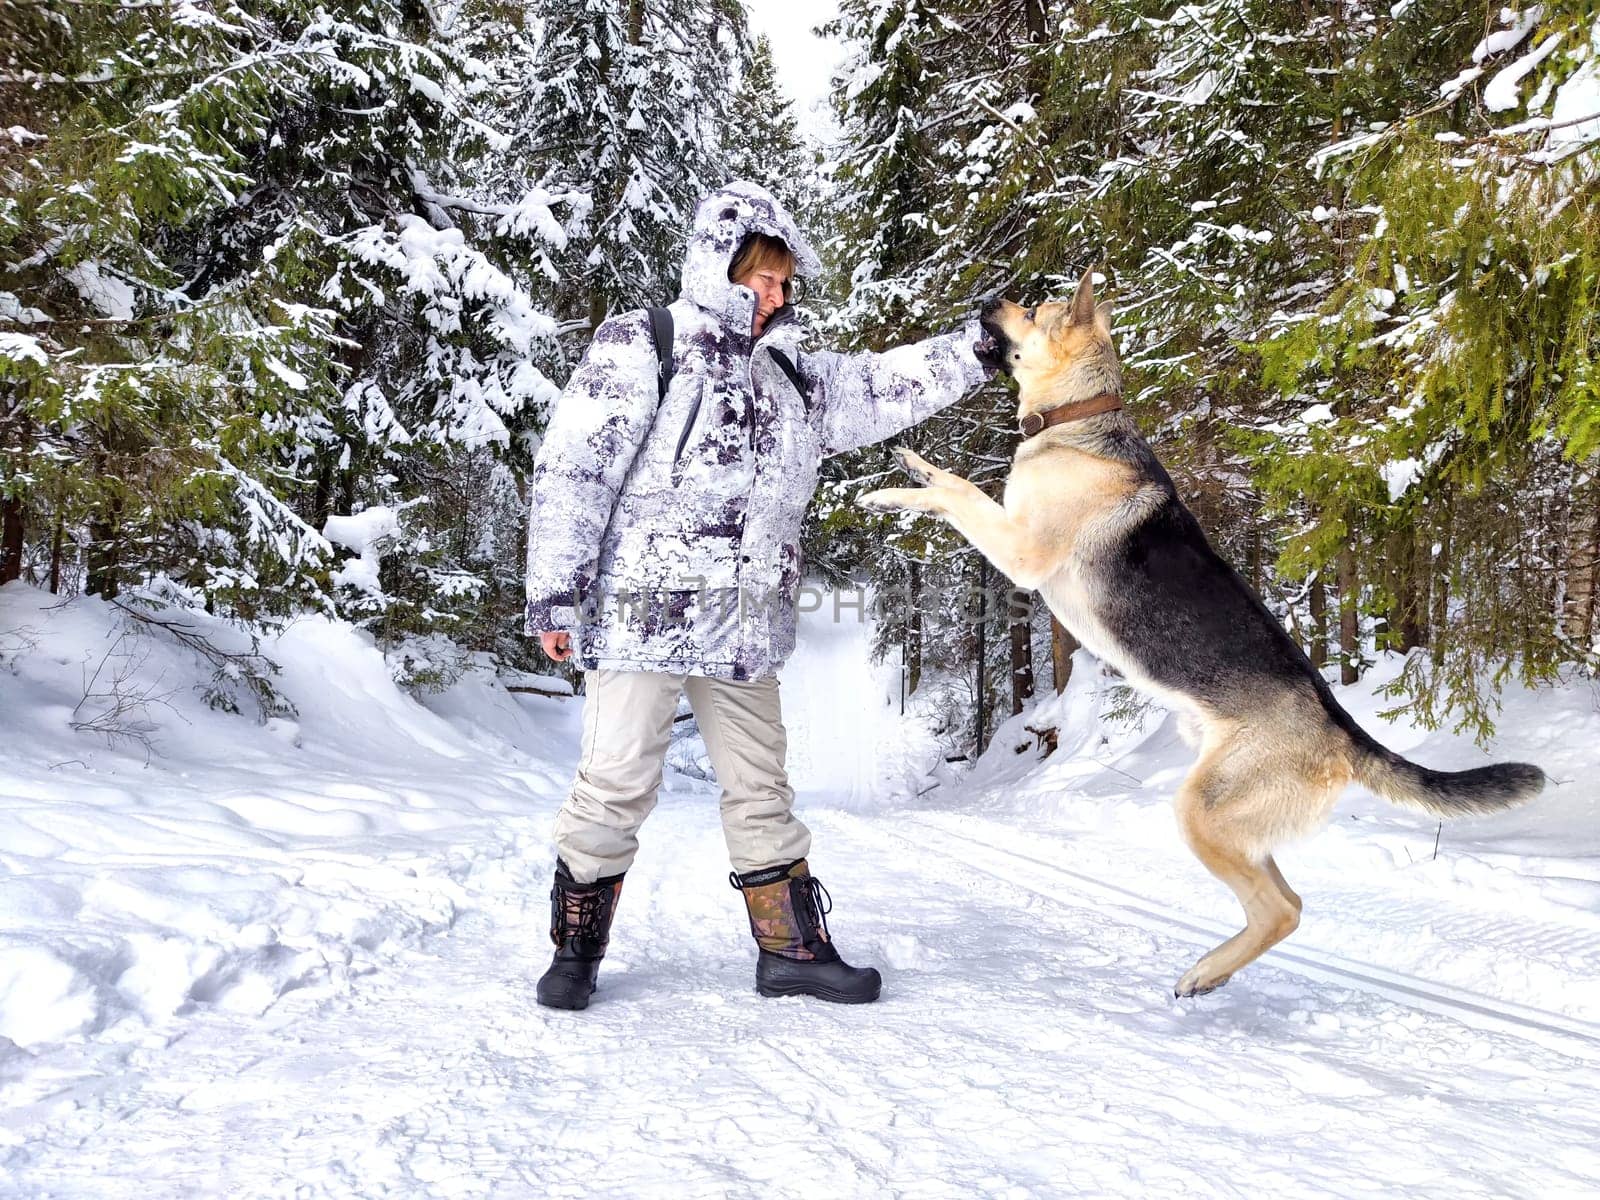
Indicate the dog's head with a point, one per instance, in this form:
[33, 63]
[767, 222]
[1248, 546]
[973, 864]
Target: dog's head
[1054, 351]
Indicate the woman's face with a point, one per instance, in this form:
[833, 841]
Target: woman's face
[767, 283]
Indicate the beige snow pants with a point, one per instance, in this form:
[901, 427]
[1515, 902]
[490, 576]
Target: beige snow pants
[627, 722]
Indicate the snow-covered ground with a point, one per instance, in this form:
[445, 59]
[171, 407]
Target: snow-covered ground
[297, 959]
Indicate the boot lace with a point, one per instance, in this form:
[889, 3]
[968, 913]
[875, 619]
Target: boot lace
[818, 903]
[582, 916]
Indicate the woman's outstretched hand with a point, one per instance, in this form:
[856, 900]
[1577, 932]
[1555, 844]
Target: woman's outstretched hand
[557, 645]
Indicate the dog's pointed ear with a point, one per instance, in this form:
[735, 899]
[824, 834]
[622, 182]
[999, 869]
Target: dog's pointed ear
[1102, 316]
[1083, 302]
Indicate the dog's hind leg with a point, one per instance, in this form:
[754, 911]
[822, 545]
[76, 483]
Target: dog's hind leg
[1271, 908]
[1289, 893]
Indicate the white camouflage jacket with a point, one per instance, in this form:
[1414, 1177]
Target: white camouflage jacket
[665, 536]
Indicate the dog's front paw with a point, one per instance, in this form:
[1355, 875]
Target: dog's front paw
[914, 465]
[881, 500]
[897, 500]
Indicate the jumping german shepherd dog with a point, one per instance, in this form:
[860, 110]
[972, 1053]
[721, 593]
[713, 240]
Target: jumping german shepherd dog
[1091, 519]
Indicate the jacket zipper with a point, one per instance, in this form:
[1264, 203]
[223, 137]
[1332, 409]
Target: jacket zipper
[782, 316]
[688, 425]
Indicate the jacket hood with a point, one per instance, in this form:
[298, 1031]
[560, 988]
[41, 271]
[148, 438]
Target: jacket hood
[723, 220]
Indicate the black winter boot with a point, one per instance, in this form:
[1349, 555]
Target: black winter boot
[580, 927]
[788, 910]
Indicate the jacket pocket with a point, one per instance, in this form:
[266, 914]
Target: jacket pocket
[688, 428]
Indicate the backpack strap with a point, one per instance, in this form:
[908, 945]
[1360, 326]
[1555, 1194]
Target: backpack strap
[661, 330]
[789, 369]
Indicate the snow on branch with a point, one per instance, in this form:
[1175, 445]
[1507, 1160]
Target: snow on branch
[271, 522]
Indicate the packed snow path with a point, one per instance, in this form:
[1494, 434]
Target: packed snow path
[1027, 1045]
[1432, 1030]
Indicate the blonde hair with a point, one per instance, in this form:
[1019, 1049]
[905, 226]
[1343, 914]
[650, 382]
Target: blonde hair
[759, 251]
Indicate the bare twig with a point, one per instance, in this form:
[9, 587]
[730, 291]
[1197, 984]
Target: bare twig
[250, 670]
[113, 704]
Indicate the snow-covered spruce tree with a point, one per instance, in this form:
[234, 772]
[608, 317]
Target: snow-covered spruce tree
[609, 119]
[1352, 259]
[1205, 118]
[445, 356]
[626, 103]
[1455, 362]
[933, 97]
[881, 95]
[764, 142]
[143, 410]
[1182, 140]
[885, 95]
[235, 299]
[997, 232]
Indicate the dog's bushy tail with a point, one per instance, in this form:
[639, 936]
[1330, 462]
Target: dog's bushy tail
[1445, 793]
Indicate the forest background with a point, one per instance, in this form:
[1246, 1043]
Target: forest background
[288, 289]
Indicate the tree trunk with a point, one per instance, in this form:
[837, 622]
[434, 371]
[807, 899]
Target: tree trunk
[983, 650]
[1411, 627]
[1349, 624]
[1583, 563]
[322, 497]
[345, 501]
[12, 523]
[56, 539]
[1426, 567]
[1439, 617]
[1317, 594]
[104, 552]
[1021, 650]
[360, 346]
[1062, 647]
[464, 542]
[1398, 629]
[913, 651]
[13, 517]
[1038, 61]
[1033, 15]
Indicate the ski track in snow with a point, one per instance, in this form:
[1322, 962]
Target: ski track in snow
[1072, 887]
[1416, 1037]
[1027, 1045]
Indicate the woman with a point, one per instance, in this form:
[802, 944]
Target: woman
[664, 554]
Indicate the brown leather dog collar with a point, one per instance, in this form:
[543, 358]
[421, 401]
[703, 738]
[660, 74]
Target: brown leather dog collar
[1062, 413]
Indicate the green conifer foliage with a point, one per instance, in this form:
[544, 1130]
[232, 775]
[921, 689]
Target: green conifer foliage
[763, 138]
[234, 297]
[1457, 348]
[627, 104]
[1351, 250]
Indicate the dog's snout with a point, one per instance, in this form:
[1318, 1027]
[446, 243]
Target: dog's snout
[990, 306]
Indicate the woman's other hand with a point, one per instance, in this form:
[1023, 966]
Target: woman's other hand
[557, 645]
